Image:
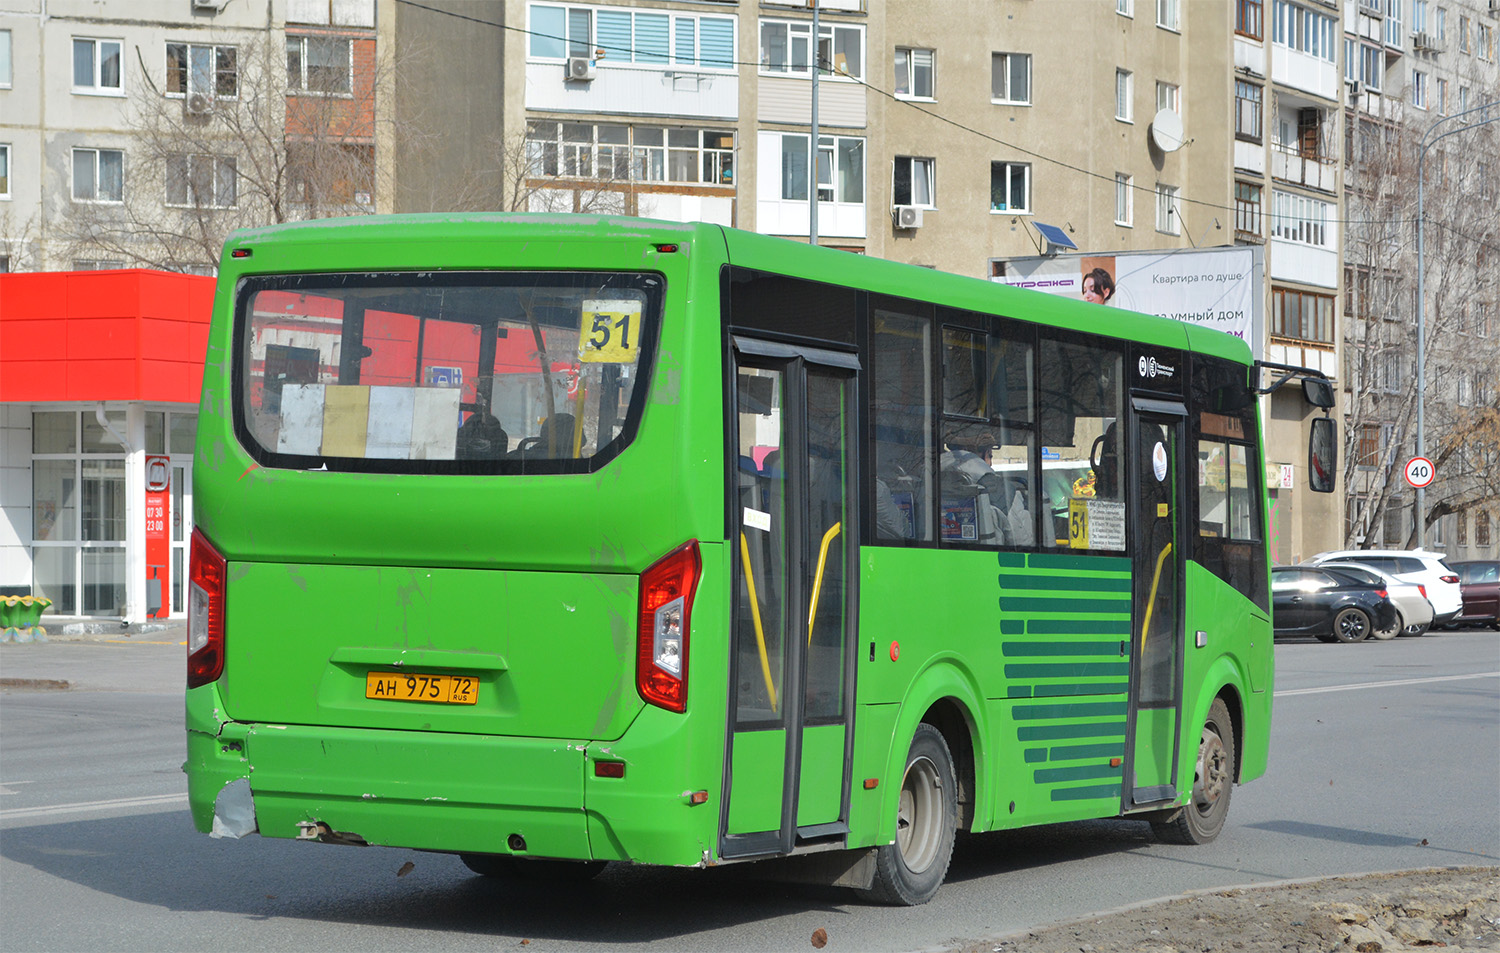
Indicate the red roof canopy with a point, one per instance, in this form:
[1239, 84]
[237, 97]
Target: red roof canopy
[103, 335]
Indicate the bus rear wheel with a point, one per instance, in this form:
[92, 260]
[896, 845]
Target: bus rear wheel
[1213, 780]
[910, 871]
[510, 867]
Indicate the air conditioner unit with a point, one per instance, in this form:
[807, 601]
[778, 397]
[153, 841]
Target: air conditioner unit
[1422, 41]
[907, 216]
[198, 104]
[579, 68]
[214, 5]
[1494, 7]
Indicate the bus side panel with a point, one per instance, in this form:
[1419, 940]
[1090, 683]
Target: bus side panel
[1238, 653]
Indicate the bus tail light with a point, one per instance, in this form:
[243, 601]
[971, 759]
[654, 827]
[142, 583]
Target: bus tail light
[666, 606]
[206, 572]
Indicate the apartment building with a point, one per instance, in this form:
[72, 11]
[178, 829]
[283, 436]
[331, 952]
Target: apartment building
[1419, 74]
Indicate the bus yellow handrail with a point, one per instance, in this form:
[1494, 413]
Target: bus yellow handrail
[812, 610]
[1151, 599]
[760, 635]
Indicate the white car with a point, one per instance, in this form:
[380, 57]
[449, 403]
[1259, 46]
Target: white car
[1413, 612]
[1411, 565]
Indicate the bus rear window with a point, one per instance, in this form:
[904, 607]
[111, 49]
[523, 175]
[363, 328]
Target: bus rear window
[438, 372]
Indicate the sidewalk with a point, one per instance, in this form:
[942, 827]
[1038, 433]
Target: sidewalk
[88, 655]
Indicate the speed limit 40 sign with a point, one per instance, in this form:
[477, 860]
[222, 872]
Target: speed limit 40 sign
[1420, 471]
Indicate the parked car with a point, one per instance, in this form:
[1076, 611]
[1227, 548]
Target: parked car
[1411, 565]
[1329, 604]
[1480, 581]
[1413, 611]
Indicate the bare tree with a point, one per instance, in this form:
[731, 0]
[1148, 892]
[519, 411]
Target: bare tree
[1461, 241]
[18, 240]
[252, 137]
[534, 172]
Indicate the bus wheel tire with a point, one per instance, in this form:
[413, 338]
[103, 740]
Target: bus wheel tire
[1351, 625]
[509, 867]
[910, 871]
[1397, 628]
[1213, 780]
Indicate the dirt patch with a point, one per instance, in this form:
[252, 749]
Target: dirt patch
[1454, 907]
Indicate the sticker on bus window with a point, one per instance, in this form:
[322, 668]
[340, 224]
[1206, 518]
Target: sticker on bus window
[1096, 524]
[610, 332]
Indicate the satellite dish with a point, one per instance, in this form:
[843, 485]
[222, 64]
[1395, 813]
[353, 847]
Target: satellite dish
[1166, 130]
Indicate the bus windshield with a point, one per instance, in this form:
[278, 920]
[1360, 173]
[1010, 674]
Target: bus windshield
[444, 372]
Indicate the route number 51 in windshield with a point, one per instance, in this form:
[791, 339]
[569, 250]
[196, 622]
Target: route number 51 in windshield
[610, 333]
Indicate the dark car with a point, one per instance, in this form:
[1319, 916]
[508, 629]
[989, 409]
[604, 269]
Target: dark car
[1480, 580]
[1329, 604]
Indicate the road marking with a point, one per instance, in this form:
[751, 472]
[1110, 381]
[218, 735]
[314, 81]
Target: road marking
[84, 807]
[1399, 681]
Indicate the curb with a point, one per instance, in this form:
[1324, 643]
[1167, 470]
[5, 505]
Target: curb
[36, 684]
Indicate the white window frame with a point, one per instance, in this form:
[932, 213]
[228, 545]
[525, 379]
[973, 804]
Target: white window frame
[4, 170]
[1442, 96]
[1168, 96]
[1009, 99]
[96, 87]
[7, 61]
[682, 28]
[93, 154]
[1169, 15]
[301, 87]
[831, 150]
[1124, 95]
[803, 29]
[1168, 215]
[1308, 31]
[928, 167]
[1012, 169]
[1303, 219]
[1484, 42]
[912, 55]
[185, 164]
[213, 79]
[1125, 8]
[1124, 200]
[1418, 89]
[1255, 106]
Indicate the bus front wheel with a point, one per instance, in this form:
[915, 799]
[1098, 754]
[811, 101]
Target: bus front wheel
[910, 871]
[1213, 780]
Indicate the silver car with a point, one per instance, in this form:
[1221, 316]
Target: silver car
[1413, 611]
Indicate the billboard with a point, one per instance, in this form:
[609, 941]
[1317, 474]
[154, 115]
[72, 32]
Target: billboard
[1222, 288]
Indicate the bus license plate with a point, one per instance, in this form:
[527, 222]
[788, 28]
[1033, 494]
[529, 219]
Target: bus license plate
[408, 687]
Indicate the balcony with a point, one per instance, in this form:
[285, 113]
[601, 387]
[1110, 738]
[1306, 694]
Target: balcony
[1289, 164]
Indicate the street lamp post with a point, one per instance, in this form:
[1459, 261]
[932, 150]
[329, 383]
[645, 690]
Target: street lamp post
[1421, 514]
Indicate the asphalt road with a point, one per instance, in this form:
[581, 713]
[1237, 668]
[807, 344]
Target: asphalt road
[1385, 756]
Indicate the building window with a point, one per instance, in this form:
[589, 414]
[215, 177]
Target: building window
[1247, 209]
[1371, 67]
[914, 73]
[319, 64]
[630, 153]
[98, 175]
[912, 181]
[1125, 8]
[1124, 193]
[1248, 15]
[201, 181]
[5, 67]
[1482, 530]
[1442, 27]
[1302, 316]
[1010, 187]
[97, 264]
[4, 170]
[1484, 42]
[1368, 454]
[1010, 78]
[786, 48]
[1169, 96]
[211, 70]
[1463, 99]
[1167, 14]
[1247, 110]
[1461, 534]
[1419, 89]
[1303, 30]
[96, 66]
[1463, 34]
[646, 37]
[1298, 218]
[1168, 217]
[1124, 95]
[1442, 97]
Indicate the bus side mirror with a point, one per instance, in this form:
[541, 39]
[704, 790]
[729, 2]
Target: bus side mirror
[1322, 455]
[1317, 391]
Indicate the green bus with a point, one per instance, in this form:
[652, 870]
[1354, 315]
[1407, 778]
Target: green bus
[555, 541]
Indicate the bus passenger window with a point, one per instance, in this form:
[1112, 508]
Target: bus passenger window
[1084, 455]
[901, 412]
